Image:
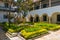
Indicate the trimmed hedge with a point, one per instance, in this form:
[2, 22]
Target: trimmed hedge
[28, 31]
[11, 31]
[27, 35]
[12, 28]
[54, 28]
[38, 29]
[47, 26]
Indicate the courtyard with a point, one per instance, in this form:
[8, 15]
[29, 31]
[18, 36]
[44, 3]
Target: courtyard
[31, 31]
[29, 20]
[52, 36]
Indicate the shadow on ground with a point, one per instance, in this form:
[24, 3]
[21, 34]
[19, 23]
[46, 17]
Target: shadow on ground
[39, 36]
[3, 35]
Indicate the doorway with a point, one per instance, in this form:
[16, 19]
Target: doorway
[44, 18]
[31, 19]
[58, 18]
[37, 19]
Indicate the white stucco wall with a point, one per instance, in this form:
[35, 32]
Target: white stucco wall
[1, 16]
[1, 3]
[40, 12]
[49, 11]
[2, 13]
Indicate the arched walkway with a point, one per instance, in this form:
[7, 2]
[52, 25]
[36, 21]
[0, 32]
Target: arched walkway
[56, 17]
[30, 18]
[45, 18]
[36, 18]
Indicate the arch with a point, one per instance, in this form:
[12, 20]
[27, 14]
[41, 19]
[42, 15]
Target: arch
[36, 18]
[55, 17]
[30, 18]
[44, 17]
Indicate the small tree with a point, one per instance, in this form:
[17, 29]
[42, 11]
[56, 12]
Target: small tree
[24, 7]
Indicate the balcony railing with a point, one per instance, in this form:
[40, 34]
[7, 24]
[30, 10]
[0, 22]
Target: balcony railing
[47, 4]
[7, 9]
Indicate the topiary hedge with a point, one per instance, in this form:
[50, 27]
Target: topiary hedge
[14, 27]
[32, 34]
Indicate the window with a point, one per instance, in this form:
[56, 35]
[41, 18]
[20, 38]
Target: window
[37, 7]
[42, 0]
[6, 5]
[44, 5]
[5, 16]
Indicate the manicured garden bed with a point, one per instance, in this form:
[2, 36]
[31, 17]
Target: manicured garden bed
[30, 34]
[28, 31]
[38, 29]
[47, 26]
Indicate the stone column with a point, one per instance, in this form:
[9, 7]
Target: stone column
[49, 19]
[49, 3]
[33, 6]
[40, 5]
[41, 19]
[33, 19]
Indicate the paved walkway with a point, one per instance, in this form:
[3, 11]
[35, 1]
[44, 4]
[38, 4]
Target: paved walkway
[2, 35]
[18, 37]
[53, 36]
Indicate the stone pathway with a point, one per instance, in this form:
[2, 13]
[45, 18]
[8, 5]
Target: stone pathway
[2, 35]
[17, 37]
[55, 35]
[52, 36]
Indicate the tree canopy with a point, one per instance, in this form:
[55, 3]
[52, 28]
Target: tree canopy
[25, 5]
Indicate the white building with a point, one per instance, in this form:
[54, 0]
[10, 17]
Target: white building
[46, 11]
[4, 10]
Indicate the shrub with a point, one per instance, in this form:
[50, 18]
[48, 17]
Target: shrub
[12, 26]
[45, 26]
[54, 28]
[27, 35]
[30, 23]
[11, 31]
[31, 29]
